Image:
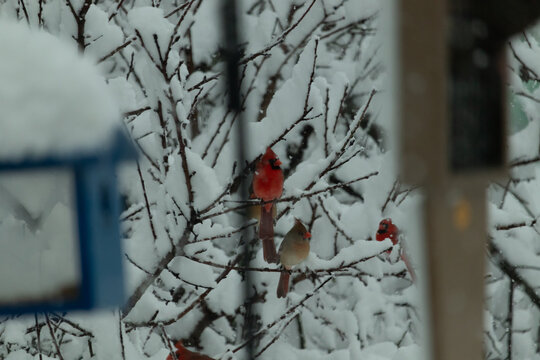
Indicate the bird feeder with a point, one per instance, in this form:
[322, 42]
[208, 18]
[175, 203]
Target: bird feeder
[453, 128]
[60, 144]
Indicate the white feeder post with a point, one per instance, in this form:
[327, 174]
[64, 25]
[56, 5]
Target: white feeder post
[455, 255]
[452, 110]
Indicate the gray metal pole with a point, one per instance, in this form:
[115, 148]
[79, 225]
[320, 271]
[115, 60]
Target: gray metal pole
[232, 53]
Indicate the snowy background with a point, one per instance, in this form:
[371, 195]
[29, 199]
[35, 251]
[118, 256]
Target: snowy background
[315, 89]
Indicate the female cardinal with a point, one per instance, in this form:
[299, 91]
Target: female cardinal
[293, 250]
[268, 186]
[387, 230]
[184, 354]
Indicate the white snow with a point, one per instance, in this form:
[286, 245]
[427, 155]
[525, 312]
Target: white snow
[287, 104]
[149, 22]
[102, 36]
[526, 141]
[207, 30]
[53, 101]
[194, 272]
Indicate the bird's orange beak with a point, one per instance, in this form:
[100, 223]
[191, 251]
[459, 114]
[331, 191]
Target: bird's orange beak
[278, 162]
[307, 235]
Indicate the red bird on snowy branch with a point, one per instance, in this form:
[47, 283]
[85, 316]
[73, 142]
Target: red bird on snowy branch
[387, 230]
[268, 186]
[184, 354]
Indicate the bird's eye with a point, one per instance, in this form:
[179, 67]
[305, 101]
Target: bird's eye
[274, 164]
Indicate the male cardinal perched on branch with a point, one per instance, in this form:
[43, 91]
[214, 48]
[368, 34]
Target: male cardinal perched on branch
[387, 230]
[268, 186]
[293, 250]
[184, 354]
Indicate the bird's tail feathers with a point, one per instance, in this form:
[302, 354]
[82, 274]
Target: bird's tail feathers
[409, 267]
[266, 234]
[283, 284]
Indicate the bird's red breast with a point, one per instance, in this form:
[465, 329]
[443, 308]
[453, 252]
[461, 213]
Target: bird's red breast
[268, 178]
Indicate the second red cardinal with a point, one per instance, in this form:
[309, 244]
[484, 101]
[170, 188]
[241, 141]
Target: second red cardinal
[268, 186]
[387, 230]
[184, 354]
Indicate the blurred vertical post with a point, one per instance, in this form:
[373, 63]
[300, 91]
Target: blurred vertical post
[232, 53]
[452, 107]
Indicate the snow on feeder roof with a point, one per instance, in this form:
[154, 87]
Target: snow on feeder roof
[52, 100]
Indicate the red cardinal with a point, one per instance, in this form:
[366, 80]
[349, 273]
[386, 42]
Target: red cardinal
[184, 354]
[268, 186]
[293, 250]
[387, 230]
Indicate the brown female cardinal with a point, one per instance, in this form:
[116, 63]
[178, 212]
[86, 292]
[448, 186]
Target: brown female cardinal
[184, 354]
[293, 250]
[268, 186]
[387, 230]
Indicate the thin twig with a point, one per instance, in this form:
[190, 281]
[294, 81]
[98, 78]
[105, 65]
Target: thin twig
[193, 304]
[521, 93]
[280, 39]
[517, 163]
[292, 198]
[510, 319]
[38, 337]
[509, 269]
[515, 225]
[282, 317]
[143, 286]
[226, 235]
[167, 342]
[392, 191]
[274, 339]
[341, 267]
[117, 9]
[183, 156]
[137, 265]
[53, 337]
[74, 325]
[115, 51]
[123, 350]
[326, 100]
[147, 204]
[334, 222]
